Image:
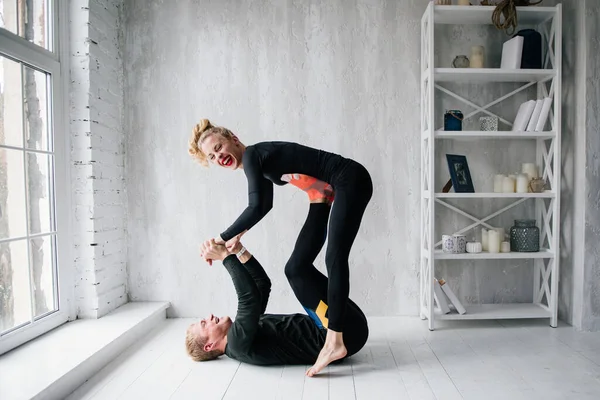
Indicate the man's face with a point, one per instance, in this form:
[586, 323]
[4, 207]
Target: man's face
[213, 328]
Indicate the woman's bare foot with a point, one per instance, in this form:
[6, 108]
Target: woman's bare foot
[332, 350]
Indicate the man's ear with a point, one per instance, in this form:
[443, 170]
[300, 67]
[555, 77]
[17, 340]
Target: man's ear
[209, 346]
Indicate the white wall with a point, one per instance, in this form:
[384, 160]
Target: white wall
[97, 139]
[342, 76]
[338, 75]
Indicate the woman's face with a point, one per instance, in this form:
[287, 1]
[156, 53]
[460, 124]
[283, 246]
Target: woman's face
[224, 152]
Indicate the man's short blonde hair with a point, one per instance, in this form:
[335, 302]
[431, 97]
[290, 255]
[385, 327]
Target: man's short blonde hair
[195, 347]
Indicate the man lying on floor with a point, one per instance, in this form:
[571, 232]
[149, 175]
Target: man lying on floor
[269, 339]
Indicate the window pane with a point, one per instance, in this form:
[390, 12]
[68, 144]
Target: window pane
[35, 106]
[27, 18]
[8, 15]
[15, 304]
[42, 260]
[38, 192]
[11, 103]
[13, 220]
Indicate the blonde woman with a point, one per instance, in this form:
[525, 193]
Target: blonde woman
[274, 162]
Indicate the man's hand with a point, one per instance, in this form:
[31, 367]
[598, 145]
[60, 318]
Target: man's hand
[210, 250]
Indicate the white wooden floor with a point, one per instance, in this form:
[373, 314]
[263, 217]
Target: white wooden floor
[402, 360]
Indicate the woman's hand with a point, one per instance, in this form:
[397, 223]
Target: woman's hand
[218, 240]
[234, 241]
[210, 250]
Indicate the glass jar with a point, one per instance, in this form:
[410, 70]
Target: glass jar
[525, 236]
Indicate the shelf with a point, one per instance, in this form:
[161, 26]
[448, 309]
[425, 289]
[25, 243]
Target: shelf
[493, 135]
[543, 195]
[543, 253]
[498, 311]
[478, 75]
[482, 15]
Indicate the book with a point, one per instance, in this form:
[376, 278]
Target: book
[440, 297]
[541, 123]
[452, 297]
[523, 115]
[512, 52]
[535, 116]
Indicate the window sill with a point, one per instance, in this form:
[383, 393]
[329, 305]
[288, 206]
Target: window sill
[55, 364]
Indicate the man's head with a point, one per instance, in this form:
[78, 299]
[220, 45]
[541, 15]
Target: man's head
[206, 339]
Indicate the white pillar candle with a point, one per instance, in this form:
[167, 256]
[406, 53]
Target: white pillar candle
[505, 247]
[498, 181]
[508, 185]
[500, 233]
[484, 239]
[493, 242]
[530, 169]
[522, 183]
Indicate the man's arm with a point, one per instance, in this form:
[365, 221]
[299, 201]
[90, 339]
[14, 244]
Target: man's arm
[244, 328]
[260, 277]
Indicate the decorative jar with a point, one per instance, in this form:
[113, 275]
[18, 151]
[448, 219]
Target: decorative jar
[525, 236]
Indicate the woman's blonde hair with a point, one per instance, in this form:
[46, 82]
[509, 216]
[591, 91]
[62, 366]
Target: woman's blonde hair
[195, 347]
[201, 131]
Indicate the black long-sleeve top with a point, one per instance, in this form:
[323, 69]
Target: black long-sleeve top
[267, 339]
[264, 163]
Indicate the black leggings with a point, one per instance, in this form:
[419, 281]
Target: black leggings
[314, 290]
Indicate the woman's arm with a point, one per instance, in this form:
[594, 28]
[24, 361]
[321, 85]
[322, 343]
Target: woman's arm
[260, 197]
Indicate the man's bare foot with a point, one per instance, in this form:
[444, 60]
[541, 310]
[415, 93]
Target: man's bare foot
[332, 350]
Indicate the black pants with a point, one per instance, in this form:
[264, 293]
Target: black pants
[314, 290]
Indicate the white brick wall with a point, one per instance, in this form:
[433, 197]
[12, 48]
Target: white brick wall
[98, 157]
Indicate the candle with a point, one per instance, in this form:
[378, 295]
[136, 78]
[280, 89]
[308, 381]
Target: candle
[493, 242]
[476, 60]
[505, 247]
[508, 185]
[530, 169]
[500, 233]
[498, 181]
[522, 183]
[484, 239]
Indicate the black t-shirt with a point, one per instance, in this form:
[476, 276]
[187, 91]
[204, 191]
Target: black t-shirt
[264, 164]
[267, 339]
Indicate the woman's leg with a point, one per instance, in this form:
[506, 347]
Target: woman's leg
[311, 287]
[351, 200]
[308, 283]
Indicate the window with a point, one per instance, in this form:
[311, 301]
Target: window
[34, 296]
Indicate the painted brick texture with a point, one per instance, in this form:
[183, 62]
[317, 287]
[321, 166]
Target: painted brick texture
[97, 153]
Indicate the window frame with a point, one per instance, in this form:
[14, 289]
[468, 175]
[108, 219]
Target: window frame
[56, 63]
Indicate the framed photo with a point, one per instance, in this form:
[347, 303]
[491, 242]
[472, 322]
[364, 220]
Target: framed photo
[460, 174]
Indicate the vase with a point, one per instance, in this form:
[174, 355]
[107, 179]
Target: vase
[461, 62]
[525, 236]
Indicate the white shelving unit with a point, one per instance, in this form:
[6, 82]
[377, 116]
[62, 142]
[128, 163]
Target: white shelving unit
[548, 21]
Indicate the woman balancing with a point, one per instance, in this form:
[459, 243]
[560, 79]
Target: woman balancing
[278, 162]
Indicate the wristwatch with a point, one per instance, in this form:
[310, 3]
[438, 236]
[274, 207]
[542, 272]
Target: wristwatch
[241, 252]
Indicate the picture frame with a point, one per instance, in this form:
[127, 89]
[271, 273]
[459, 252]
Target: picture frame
[460, 174]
